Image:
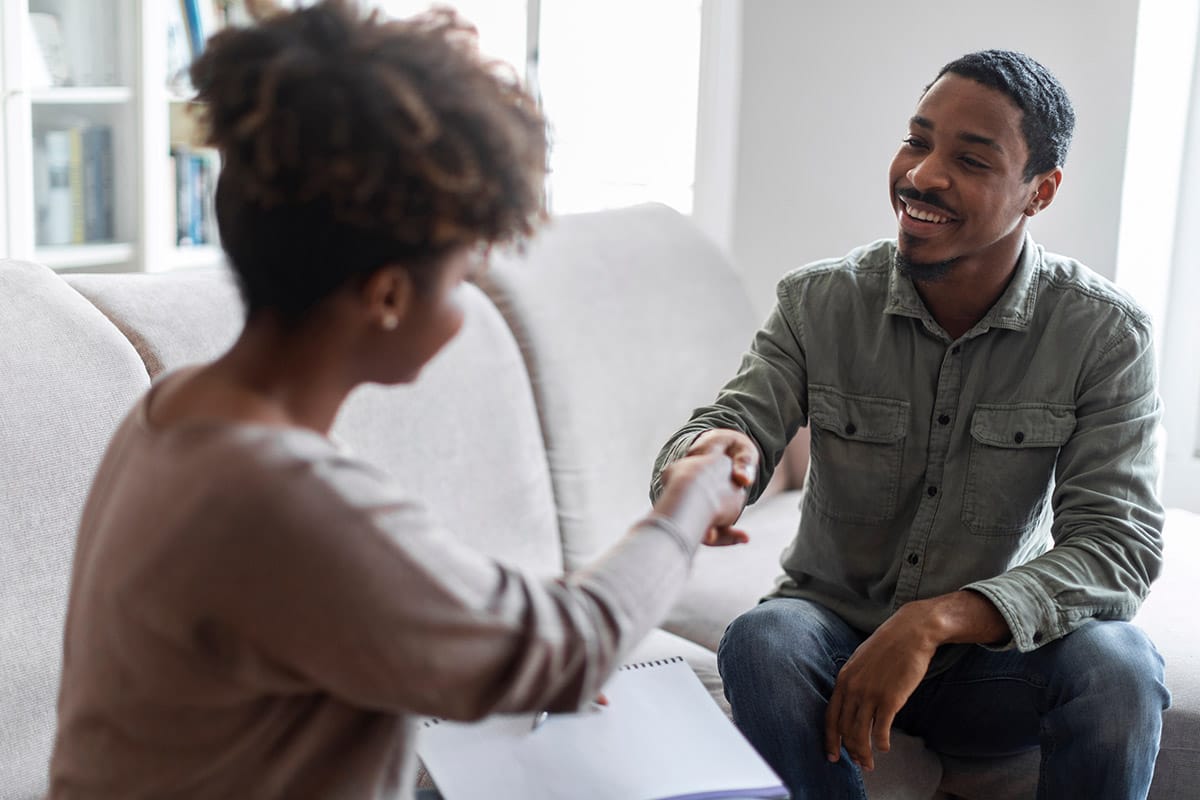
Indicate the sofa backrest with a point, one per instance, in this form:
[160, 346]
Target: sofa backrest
[68, 377]
[464, 438]
[628, 320]
[172, 319]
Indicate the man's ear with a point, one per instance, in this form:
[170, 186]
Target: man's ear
[1044, 190]
[388, 296]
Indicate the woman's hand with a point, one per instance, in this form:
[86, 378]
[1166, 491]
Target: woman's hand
[740, 448]
[742, 451]
[722, 464]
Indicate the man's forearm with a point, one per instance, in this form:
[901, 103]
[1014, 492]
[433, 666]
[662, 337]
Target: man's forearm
[962, 617]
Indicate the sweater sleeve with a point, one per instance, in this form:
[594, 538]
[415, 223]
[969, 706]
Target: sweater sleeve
[347, 588]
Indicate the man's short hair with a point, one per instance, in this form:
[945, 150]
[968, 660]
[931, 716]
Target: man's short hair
[1048, 118]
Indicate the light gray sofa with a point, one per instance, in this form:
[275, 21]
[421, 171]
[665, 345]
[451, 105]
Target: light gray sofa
[578, 359]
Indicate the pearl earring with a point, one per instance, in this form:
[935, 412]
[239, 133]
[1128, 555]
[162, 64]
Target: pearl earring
[390, 322]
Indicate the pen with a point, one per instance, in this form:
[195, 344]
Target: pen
[540, 718]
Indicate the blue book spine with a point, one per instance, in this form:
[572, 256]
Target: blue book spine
[196, 33]
[98, 184]
[183, 195]
[196, 184]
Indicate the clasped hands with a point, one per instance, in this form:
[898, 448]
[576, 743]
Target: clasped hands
[742, 455]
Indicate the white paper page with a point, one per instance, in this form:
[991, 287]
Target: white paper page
[661, 736]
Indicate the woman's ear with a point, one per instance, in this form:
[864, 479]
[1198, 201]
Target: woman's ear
[387, 297]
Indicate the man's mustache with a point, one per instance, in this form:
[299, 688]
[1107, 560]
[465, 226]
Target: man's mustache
[927, 198]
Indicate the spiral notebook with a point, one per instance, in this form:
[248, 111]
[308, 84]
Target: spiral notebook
[661, 737]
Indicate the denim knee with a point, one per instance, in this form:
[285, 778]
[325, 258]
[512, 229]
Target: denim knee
[755, 630]
[1110, 658]
[768, 634]
[784, 638]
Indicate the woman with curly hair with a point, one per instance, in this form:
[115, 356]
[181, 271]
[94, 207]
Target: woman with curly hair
[254, 613]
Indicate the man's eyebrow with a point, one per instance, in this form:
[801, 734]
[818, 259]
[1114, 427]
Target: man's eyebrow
[966, 136]
[975, 138]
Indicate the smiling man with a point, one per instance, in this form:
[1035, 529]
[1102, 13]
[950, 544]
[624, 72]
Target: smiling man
[979, 520]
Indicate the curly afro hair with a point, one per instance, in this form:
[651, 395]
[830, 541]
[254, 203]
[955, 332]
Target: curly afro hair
[350, 141]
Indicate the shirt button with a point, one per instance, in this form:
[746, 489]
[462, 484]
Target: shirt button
[954, 350]
[944, 419]
[914, 559]
[1037, 637]
[931, 491]
[1018, 437]
[850, 428]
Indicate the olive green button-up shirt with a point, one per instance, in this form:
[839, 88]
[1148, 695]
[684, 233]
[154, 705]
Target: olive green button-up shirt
[935, 461]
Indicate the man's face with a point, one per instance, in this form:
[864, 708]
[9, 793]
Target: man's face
[956, 181]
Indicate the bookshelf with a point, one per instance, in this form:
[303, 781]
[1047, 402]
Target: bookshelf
[105, 69]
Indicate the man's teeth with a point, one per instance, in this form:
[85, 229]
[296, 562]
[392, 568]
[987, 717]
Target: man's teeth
[925, 216]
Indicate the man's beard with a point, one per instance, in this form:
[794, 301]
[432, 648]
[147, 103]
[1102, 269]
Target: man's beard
[923, 272]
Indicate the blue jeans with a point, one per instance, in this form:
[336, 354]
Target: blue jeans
[1092, 700]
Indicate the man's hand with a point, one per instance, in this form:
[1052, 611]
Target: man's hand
[712, 474]
[885, 670]
[741, 449]
[875, 684]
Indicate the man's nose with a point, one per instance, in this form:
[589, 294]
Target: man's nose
[929, 175]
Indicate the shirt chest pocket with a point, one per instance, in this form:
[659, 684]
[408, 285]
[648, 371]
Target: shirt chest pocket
[1011, 464]
[857, 453]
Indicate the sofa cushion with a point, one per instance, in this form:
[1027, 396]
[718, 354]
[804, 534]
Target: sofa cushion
[465, 437]
[1169, 616]
[726, 581]
[628, 320]
[69, 377]
[171, 318]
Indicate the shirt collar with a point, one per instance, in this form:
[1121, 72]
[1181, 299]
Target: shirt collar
[1013, 309]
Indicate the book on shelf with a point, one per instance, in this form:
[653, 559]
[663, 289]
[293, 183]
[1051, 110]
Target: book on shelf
[190, 23]
[195, 172]
[75, 180]
[201, 18]
[73, 185]
[56, 222]
[97, 183]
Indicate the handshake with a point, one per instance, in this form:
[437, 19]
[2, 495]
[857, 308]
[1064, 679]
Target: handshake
[712, 480]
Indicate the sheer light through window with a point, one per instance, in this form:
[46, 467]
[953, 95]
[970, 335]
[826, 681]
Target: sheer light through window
[619, 84]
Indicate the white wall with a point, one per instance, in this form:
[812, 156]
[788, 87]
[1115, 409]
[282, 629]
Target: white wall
[826, 92]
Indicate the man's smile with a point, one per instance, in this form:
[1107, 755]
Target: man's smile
[924, 209]
[921, 219]
[925, 216]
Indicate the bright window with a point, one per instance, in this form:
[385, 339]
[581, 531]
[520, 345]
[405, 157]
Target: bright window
[619, 85]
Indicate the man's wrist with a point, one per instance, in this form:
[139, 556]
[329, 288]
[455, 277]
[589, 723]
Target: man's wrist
[963, 617]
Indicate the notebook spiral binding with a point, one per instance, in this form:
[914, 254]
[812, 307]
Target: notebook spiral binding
[653, 662]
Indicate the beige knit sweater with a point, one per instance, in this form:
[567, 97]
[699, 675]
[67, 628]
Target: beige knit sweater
[256, 614]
